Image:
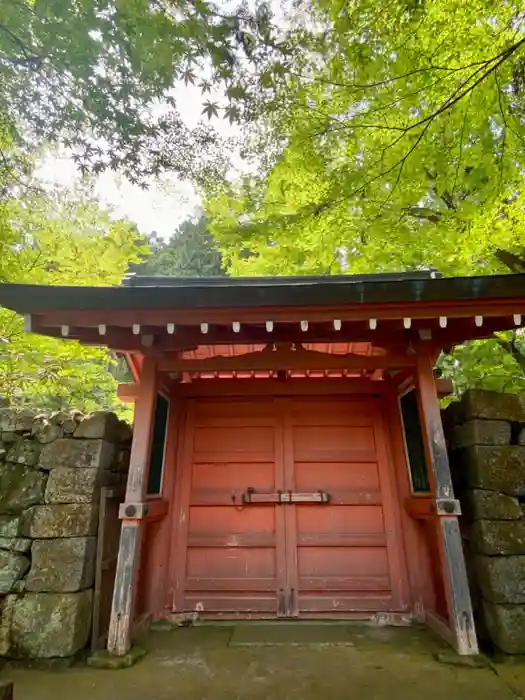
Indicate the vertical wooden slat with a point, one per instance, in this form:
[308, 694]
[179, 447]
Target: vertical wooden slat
[290, 513]
[280, 514]
[391, 516]
[457, 591]
[119, 638]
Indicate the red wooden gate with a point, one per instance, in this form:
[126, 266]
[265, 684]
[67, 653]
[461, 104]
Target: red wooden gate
[287, 508]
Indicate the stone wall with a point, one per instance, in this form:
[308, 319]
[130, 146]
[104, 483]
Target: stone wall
[486, 433]
[51, 471]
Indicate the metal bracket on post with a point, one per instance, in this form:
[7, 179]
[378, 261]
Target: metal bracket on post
[133, 511]
[447, 506]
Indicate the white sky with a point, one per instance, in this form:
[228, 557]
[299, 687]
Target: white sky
[168, 201]
[164, 205]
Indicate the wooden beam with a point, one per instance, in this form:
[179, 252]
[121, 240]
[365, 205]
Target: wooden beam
[274, 387]
[444, 387]
[461, 620]
[128, 392]
[286, 359]
[389, 333]
[454, 308]
[122, 610]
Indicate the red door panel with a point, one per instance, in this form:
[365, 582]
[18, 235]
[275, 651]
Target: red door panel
[229, 561]
[343, 562]
[266, 559]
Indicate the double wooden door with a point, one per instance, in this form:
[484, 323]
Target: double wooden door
[286, 508]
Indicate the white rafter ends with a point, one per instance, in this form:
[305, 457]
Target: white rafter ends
[372, 323]
[337, 324]
[479, 321]
[517, 319]
[64, 330]
[407, 322]
[204, 327]
[443, 321]
[27, 323]
[136, 329]
[236, 326]
[304, 326]
[102, 329]
[170, 328]
[269, 326]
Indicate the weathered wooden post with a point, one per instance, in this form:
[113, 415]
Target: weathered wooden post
[132, 511]
[447, 509]
[6, 690]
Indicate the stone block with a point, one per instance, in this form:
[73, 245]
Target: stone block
[521, 437]
[3, 451]
[500, 537]
[501, 579]
[491, 405]
[506, 626]
[490, 505]
[45, 432]
[67, 452]
[58, 417]
[20, 487]
[7, 606]
[481, 432]
[24, 452]
[8, 419]
[62, 565]
[24, 420]
[12, 567]
[16, 420]
[76, 485]
[500, 468]
[47, 625]
[104, 660]
[16, 544]
[126, 432]
[71, 520]
[101, 425]
[9, 525]
[19, 586]
[69, 426]
[122, 462]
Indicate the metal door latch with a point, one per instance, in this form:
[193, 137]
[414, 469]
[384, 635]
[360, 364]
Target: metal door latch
[281, 497]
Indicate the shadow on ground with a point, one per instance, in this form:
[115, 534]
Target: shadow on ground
[221, 662]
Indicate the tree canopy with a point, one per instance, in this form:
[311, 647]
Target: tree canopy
[102, 77]
[396, 142]
[57, 238]
[190, 252]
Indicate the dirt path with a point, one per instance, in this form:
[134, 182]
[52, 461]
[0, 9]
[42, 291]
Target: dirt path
[200, 664]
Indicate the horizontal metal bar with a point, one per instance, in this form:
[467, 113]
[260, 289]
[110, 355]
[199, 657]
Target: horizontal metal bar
[250, 496]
